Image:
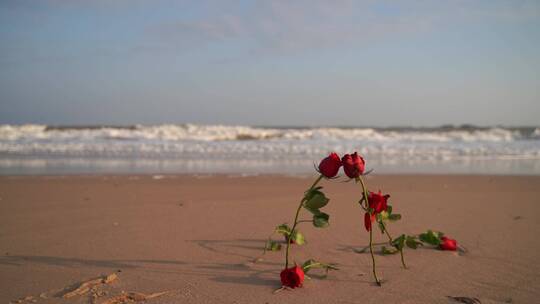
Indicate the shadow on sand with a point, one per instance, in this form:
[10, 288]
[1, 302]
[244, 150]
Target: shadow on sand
[262, 273]
[19, 260]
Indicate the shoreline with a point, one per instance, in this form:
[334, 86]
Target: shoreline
[136, 166]
[341, 178]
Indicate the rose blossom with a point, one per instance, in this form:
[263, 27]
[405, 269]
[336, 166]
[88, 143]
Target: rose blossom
[329, 166]
[353, 165]
[448, 244]
[377, 201]
[292, 277]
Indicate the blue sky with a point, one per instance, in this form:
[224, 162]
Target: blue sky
[378, 63]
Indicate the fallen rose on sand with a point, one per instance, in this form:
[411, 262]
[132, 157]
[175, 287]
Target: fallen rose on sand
[448, 244]
[292, 277]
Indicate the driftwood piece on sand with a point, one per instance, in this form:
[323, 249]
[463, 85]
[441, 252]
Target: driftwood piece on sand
[84, 287]
[131, 297]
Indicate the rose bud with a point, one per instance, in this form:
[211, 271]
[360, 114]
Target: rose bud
[448, 244]
[292, 277]
[291, 240]
[329, 166]
[368, 219]
[353, 165]
[378, 202]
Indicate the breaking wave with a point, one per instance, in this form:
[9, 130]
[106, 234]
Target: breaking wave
[235, 142]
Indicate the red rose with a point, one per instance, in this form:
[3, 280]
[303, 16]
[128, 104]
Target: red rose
[353, 165]
[292, 277]
[368, 219]
[378, 202]
[448, 244]
[329, 166]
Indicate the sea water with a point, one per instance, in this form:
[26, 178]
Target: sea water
[189, 148]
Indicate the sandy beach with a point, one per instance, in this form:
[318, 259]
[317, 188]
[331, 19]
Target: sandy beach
[196, 237]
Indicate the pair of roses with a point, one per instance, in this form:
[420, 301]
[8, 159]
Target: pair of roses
[353, 165]
[376, 209]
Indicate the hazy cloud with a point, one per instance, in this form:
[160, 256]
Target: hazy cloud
[301, 25]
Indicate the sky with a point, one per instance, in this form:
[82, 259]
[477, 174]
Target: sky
[271, 63]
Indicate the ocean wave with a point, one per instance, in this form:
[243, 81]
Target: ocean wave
[243, 142]
[190, 132]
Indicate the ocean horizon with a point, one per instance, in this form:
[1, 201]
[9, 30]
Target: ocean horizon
[241, 149]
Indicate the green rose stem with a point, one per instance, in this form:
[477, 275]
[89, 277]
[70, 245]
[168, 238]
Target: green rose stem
[296, 220]
[364, 189]
[390, 240]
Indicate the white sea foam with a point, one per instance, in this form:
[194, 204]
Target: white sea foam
[228, 133]
[243, 142]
